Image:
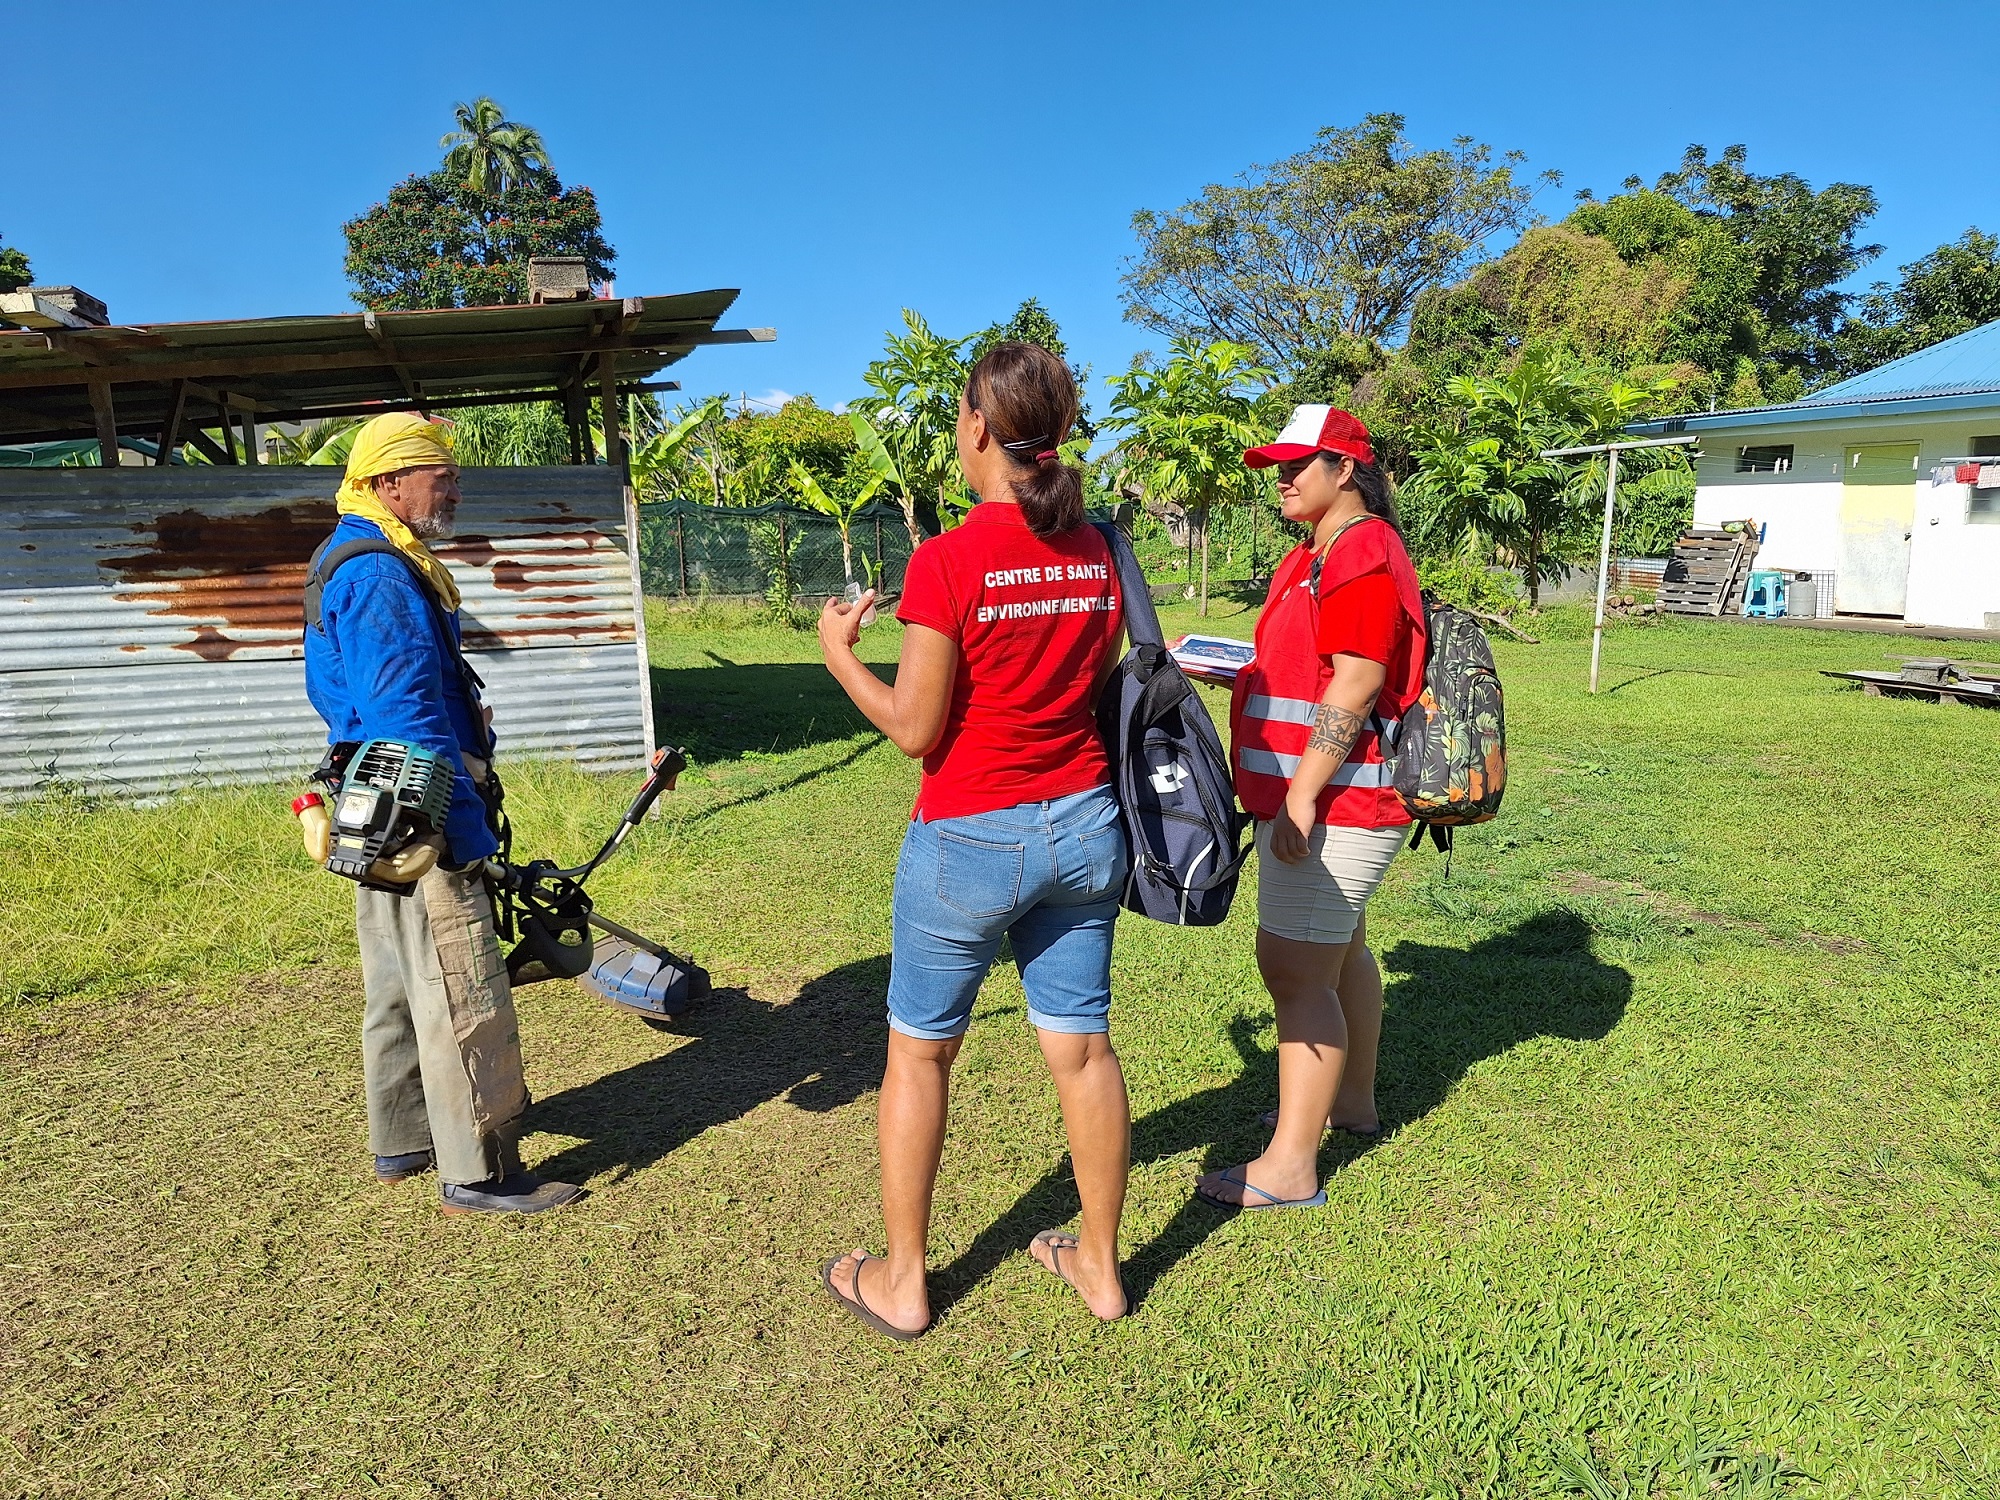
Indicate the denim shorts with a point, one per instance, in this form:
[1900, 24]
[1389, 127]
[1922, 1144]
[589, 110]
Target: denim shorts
[1045, 874]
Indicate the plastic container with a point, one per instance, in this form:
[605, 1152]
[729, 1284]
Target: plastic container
[315, 825]
[853, 596]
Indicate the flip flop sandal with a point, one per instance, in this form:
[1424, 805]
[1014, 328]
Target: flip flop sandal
[1271, 1200]
[1049, 1237]
[861, 1309]
[1269, 1119]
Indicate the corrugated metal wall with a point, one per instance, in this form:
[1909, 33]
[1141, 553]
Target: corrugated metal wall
[150, 622]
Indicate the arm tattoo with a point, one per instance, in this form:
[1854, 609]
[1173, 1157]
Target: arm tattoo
[1334, 730]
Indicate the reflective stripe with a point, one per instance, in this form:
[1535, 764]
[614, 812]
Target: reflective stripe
[1304, 711]
[1353, 773]
[1282, 710]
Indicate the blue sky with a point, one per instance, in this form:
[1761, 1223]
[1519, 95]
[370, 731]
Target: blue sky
[840, 162]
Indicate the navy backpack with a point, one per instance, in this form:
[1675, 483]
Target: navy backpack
[1169, 770]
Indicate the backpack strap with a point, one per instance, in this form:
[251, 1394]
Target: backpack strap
[1142, 622]
[1320, 557]
[328, 560]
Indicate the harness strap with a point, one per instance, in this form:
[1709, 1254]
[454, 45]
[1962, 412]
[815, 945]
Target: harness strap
[1320, 557]
[327, 560]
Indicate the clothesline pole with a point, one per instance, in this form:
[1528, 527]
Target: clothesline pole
[1610, 452]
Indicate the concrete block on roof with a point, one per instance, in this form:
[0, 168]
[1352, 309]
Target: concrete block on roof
[558, 278]
[51, 307]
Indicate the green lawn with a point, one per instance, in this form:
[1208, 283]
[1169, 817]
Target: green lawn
[1691, 1190]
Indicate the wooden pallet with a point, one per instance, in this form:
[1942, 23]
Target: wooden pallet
[1895, 685]
[1708, 572]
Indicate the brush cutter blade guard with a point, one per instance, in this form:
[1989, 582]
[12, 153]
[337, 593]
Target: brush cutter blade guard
[655, 984]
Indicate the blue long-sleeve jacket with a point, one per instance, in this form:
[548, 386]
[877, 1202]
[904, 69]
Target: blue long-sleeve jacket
[380, 668]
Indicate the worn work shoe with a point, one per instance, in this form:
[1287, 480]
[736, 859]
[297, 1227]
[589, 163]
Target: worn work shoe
[516, 1193]
[401, 1168]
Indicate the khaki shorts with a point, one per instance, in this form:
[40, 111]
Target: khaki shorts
[1319, 899]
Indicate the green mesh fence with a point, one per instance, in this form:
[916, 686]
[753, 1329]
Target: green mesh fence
[688, 550]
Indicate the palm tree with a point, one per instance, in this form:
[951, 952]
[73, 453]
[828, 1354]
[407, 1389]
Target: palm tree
[912, 405]
[493, 152]
[323, 442]
[1186, 423]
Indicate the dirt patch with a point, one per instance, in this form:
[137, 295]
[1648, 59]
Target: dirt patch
[1581, 884]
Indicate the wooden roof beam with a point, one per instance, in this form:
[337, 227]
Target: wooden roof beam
[384, 343]
[566, 346]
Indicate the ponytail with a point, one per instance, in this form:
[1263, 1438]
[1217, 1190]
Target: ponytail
[1029, 400]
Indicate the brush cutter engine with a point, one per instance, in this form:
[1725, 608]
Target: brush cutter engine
[388, 812]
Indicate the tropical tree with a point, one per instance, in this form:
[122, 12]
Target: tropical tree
[1803, 246]
[1334, 243]
[1186, 423]
[491, 152]
[14, 270]
[660, 459]
[462, 235]
[1482, 488]
[912, 404]
[1953, 290]
[322, 442]
[881, 463]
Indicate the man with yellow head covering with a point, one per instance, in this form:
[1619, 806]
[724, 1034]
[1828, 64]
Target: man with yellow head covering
[440, 1048]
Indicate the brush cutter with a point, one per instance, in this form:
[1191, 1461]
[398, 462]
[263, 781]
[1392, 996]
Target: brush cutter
[384, 832]
[554, 916]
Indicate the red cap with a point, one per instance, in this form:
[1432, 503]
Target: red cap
[1315, 429]
[310, 799]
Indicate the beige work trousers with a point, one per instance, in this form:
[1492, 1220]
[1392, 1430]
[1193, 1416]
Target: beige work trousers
[440, 1047]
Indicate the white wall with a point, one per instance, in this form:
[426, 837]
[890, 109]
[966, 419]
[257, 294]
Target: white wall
[1954, 562]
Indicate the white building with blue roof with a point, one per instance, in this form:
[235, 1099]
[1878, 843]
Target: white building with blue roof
[1886, 486]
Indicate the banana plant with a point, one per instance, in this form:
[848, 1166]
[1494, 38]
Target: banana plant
[882, 464]
[815, 497]
[655, 459]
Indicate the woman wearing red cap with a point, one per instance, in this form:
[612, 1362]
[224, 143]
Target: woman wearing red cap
[1340, 656]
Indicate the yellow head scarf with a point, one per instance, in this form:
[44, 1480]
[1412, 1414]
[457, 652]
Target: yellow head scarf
[385, 444]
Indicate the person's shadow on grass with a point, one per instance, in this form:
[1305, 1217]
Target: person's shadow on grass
[1451, 1008]
[822, 1050]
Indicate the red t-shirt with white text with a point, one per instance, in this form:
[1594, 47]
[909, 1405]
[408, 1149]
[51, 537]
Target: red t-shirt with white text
[1034, 619]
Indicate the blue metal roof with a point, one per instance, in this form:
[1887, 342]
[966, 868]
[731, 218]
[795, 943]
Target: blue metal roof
[1962, 373]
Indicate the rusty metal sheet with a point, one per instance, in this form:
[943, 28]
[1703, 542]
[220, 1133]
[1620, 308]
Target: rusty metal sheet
[163, 565]
[160, 728]
[150, 619]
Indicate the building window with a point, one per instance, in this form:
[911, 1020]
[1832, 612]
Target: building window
[1983, 503]
[1774, 459]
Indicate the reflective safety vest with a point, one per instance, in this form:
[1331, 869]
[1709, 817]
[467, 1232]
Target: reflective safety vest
[1276, 698]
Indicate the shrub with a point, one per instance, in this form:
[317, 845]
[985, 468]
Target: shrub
[1470, 585]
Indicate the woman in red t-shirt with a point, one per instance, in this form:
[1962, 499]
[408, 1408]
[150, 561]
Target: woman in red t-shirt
[1011, 624]
[1340, 655]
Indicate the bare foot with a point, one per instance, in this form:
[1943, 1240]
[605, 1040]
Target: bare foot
[1227, 1186]
[1102, 1290]
[907, 1307]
